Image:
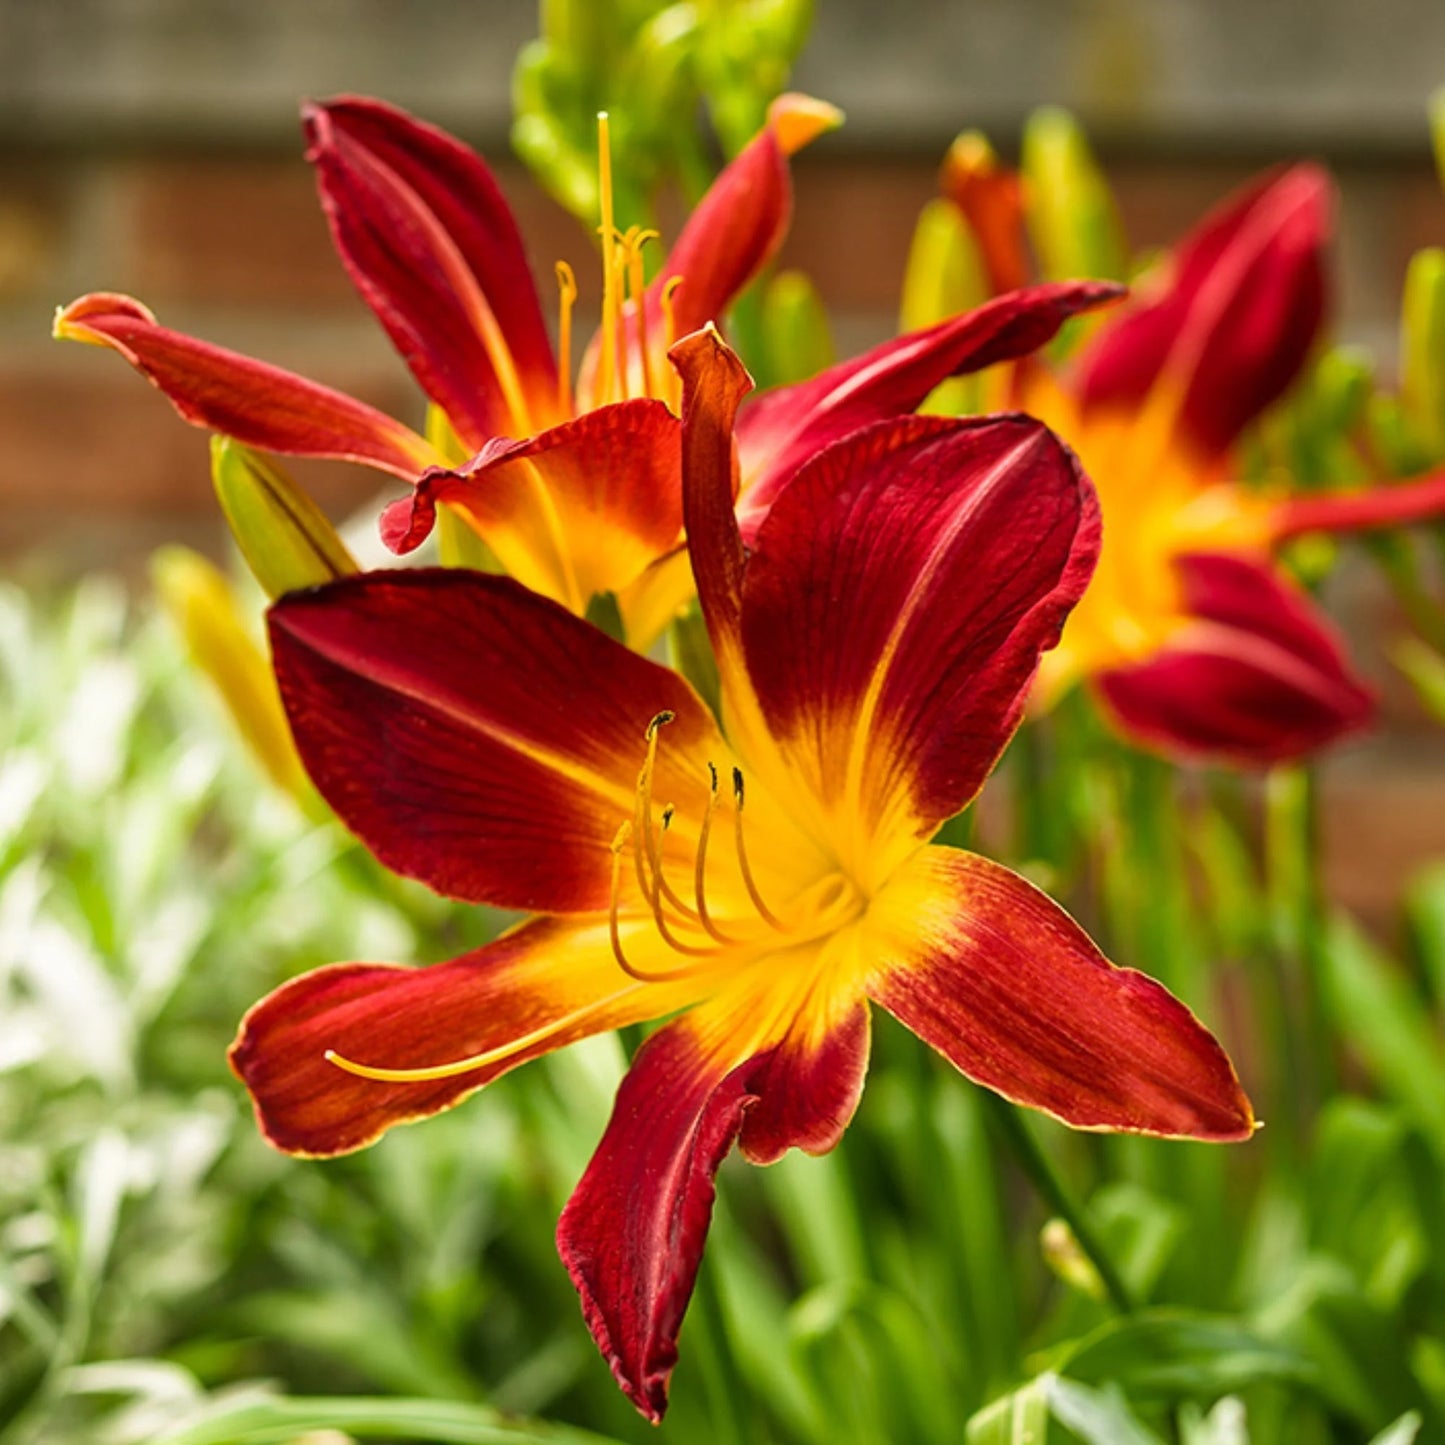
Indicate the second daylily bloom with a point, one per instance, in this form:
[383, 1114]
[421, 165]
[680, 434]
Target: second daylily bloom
[576, 492]
[425, 233]
[1193, 636]
[766, 879]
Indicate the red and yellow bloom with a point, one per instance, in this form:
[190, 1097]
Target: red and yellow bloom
[576, 491]
[1191, 634]
[765, 879]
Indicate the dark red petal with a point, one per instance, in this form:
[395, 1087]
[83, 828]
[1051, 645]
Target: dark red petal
[538, 988]
[900, 594]
[1008, 988]
[1385, 504]
[478, 737]
[613, 477]
[260, 405]
[808, 1086]
[633, 1232]
[735, 229]
[1257, 676]
[714, 381]
[429, 240]
[781, 429]
[1242, 301]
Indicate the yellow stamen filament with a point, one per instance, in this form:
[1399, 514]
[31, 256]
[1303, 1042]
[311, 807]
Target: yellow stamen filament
[699, 883]
[743, 865]
[642, 803]
[659, 887]
[567, 289]
[614, 932]
[637, 287]
[473, 1061]
[648, 857]
[611, 301]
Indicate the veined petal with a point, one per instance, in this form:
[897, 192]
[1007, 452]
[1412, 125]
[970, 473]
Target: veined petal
[1241, 302]
[1255, 676]
[730, 236]
[533, 990]
[429, 240]
[478, 737]
[777, 1058]
[895, 607]
[581, 508]
[260, 405]
[781, 429]
[1008, 988]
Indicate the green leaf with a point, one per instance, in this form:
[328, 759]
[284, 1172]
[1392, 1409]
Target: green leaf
[1097, 1417]
[1177, 1354]
[1383, 1017]
[1402, 1432]
[280, 1421]
[1225, 1424]
[1021, 1418]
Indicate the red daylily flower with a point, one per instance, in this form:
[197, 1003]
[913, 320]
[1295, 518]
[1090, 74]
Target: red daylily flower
[765, 880]
[1192, 635]
[576, 494]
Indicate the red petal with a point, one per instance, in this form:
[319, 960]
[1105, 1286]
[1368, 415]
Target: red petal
[429, 240]
[732, 233]
[901, 591]
[738, 225]
[781, 429]
[257, 404]
[714, 381]
[534, 990]
[1257, 676]
[1008, 988]
[478, 737]
[612, 476]
[990, 195]
[1237, 316]
[632, 1234]
[1393, 504]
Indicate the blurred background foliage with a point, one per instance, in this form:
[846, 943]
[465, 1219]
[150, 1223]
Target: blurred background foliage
[166, 1279]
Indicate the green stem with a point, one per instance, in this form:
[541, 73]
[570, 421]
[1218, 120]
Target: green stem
[1297, 907]
[1046, 1179]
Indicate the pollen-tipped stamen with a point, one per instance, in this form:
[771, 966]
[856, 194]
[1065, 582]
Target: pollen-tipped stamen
[743, 865]
[648, 855]
[659, 885]
[567, 297]
[699, 882]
